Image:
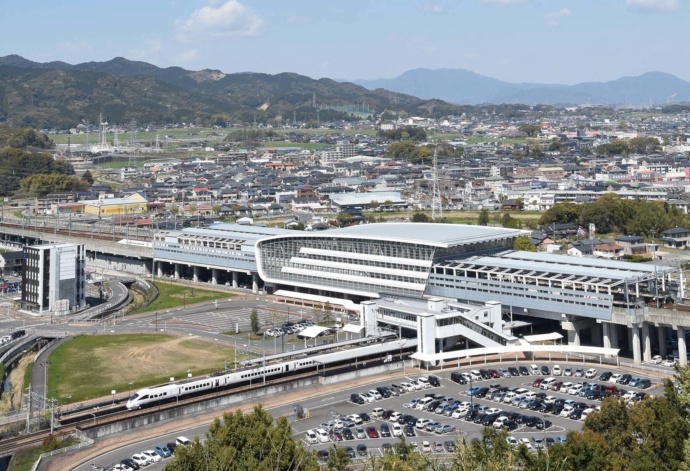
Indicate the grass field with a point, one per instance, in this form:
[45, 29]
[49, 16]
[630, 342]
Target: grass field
[301, 145]
[176, 133]
[170, 295]
[91, 366]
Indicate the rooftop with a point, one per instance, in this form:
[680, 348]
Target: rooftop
[439, 235]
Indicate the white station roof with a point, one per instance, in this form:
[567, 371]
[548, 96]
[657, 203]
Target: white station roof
[542, 337]
[352, 328]
[313, 331]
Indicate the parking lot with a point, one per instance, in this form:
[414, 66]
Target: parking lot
[532, 422]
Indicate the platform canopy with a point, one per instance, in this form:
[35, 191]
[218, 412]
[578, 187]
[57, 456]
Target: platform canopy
[352, 328]
[542, 337]
[313, 331]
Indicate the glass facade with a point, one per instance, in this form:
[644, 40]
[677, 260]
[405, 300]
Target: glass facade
[347, 264]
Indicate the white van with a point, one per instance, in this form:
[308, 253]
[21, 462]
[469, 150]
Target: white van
[311, 437]
[509, 396]
[476, 375]
[547, 383]
[421, 405]
[378, 412]
[424, 381]
[322, 435]
[184, 441]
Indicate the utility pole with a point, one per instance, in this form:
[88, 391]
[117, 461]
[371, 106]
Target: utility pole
[28, 410]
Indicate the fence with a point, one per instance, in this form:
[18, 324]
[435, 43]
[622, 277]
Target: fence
[83, 441]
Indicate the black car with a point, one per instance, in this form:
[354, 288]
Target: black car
[386, 448]
[545, 370]
[512, 415]
[530, 421]
[434, 381]
[384, 392]
[524, 371]
[357, 399]
[457, 377]
[644, 383]
[347, 434]
[542, 424]
[490, 419]
[592, 394]
[485, 374]
[385, 430]
[469, 417]
[513, 371]
[556, 409]
[479, 418]
[350, 452]
[605, 376]
[322, 455]
[482, 392]
[432, 405]
[449, 445]
[362, 449]
[386, 414]
[365, 417]
[535, 404]
[130, 462]
[625, 379]
[171, 447]
[403, 419]
[408, 430]
[509, 425]
[520, 419]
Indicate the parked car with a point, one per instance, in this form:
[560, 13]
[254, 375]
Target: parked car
[556, 370]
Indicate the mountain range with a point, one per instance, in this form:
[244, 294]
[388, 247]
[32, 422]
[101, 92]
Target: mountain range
[465, 87]
[57, 94]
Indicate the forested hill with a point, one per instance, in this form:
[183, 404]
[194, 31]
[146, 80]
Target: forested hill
[57, 94]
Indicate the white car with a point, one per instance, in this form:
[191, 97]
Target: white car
[355, 418]
[368, 396]
[416, 385]
[424, 381]
[568, 372]
[526, 442]
[407, 386]
[493, 410]
[322, 435]
[575, 389]
[656, 360]
[534, 369]
[614, 378]
[591, 373]
[556, 370]
[152, 456]
[311, 437]
[498, 423]
[377, 395]
[512, 441]
[359, 433]
[421, 423]
[141, 459]
[121, 467]
[397, 430]
[669, 363]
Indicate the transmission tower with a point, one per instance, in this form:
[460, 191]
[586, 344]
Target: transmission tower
[436, 203]
[116, 139]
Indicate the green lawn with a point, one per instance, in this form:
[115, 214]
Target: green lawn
[90, 366]
[301, 145]
[171, 295]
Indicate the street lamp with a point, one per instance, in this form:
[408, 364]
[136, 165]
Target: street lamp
[113, 392]
[129, 391]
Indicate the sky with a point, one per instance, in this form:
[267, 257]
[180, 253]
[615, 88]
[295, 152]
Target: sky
[544, 41]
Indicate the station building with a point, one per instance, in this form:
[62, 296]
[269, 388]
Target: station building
[602, 303]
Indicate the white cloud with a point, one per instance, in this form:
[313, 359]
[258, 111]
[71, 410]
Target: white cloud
[189, 55]
[229, 18]
[554, 18]
[503, 2]
[147, 50]
[664, 6]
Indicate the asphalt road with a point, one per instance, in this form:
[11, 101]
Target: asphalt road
[325, 408]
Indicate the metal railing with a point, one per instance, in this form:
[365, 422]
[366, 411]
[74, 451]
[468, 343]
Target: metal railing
[83, 441]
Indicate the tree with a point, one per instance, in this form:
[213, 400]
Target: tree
[483, 218]
[523, 243]
[87, 177]
[419, 216]
[374, 204]
[530, 129]
[344, 219]
[254, 322]
[216, 208]
[555, 145]
[240, 442]
[43, 184]
[327, 312]
[561, 213]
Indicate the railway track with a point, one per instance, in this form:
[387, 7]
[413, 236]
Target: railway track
[35, 439]
[45, 231]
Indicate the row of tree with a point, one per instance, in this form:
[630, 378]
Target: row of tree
[636, 145]
[612, 214]
[652, 434]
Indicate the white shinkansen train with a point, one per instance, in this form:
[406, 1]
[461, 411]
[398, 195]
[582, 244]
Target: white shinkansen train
[165, 392]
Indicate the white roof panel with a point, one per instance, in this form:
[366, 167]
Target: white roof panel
[313, 331]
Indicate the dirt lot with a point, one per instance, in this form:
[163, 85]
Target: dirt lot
[91, 366]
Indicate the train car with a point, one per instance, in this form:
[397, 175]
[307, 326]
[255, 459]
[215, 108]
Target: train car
[167, 392]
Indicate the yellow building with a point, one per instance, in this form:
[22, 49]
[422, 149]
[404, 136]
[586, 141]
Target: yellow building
[133, 204]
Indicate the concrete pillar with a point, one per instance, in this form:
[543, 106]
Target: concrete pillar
[637, 352]
[255, 283]
[177, 271]
[235, 277]
[160, 269]
[682, 349]
[646, 343]
[195, 276]
[613, 335]
[606, 336]
[661, 334]
[573, 337]
[214, 276]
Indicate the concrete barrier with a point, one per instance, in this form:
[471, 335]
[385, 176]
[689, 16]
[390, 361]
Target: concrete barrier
[97, 431]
